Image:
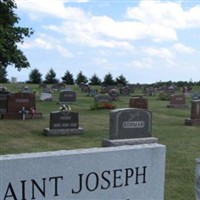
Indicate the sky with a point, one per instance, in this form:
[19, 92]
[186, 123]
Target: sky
[146, 41]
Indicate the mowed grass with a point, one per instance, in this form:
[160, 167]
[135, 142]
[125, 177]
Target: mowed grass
[182, 142]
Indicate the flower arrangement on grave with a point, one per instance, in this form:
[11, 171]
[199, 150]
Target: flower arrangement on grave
[65, 108]
[107, 105]
[103, 105]
[23, 111]
[32, 111]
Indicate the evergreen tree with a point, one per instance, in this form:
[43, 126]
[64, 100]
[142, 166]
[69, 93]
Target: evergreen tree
[108, 79]
[35, 76]
[94, 80]
[3, 75]
[121, 80]
[10, 36]
[68, 78]
[50, 77]
[81, 78]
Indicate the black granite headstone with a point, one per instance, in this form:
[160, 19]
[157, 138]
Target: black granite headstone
[64, 120]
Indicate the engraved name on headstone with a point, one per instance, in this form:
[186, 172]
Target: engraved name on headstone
[130, 123]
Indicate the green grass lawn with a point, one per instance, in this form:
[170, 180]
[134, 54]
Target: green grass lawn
[182, 142]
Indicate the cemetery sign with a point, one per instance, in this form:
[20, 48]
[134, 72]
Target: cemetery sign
[116, 173]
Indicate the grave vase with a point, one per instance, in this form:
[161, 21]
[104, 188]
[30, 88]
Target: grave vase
[197, 180]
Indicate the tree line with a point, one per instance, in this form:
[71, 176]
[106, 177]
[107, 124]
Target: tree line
[50, 78]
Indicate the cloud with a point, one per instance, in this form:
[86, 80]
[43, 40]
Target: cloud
[168, 14]
[154, 20]
[54, 8]
[144, 63]
[83, 27]
[183, 49]
[46, 42]
[159, 52]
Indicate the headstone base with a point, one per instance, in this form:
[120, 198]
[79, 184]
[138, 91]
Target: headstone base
[135, 141]
[12, 115]
[73, 131]
[177, 106]
[191, 122]
[34, 116]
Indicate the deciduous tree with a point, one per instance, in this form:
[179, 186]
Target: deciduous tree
[10, 36]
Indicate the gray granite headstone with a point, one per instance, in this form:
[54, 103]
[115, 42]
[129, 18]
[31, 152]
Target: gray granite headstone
[130, 123]
[102, 98]
[67, 96]
[26, 89]
[114, 94]
[196, 96]
[93, 92]
[44, 96]
[125, 91]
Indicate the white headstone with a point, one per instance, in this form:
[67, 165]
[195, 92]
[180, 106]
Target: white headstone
[115, 173]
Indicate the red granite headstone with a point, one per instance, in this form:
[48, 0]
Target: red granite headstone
[16, 101]
[138, 102]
